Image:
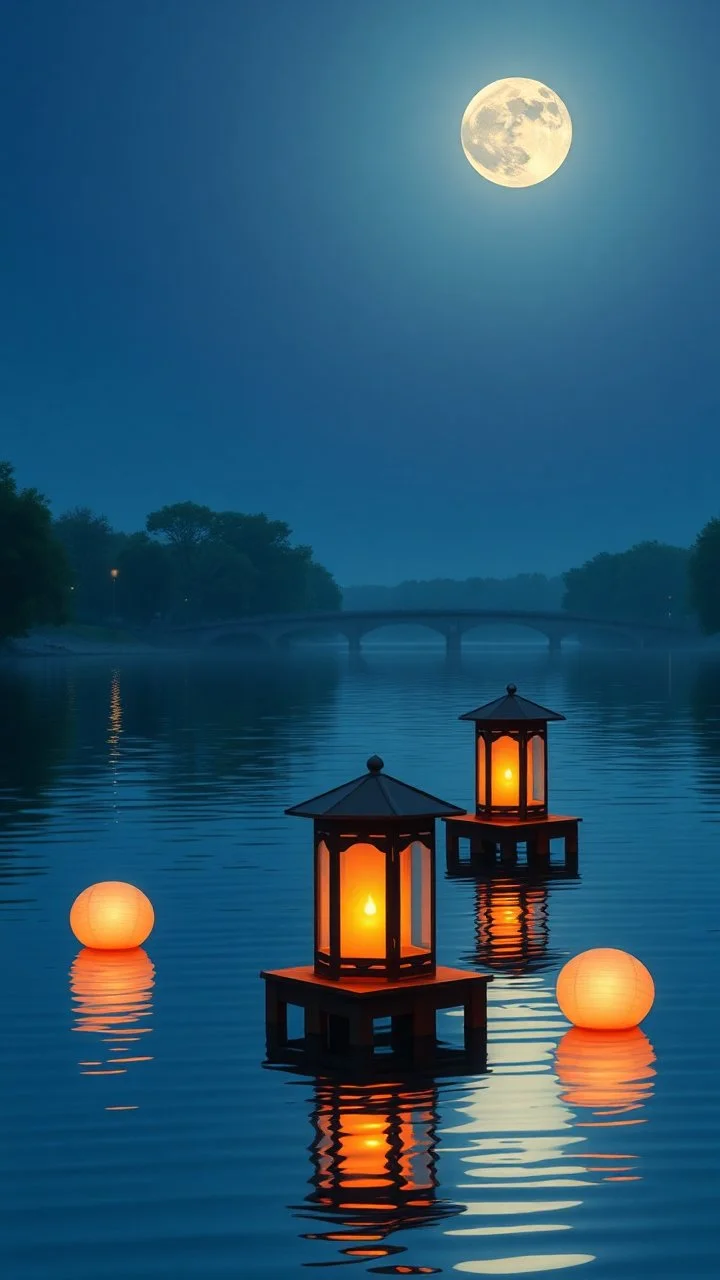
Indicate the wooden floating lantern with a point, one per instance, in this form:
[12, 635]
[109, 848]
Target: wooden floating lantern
[511, 757]
[374, 930]
[511, 783]
[374, 842]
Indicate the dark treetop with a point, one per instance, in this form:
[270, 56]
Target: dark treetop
[510, 707]
[374, 795]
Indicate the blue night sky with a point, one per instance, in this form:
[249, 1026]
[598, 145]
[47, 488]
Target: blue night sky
[245, 262]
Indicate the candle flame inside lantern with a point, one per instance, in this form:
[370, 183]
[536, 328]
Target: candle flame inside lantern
[508, 774]
[362, 902]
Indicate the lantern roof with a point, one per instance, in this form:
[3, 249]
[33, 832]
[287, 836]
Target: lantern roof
[374, 795]
[512, 708]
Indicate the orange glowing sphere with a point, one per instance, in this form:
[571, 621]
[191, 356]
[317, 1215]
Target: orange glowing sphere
[112, 916]
[605, 990]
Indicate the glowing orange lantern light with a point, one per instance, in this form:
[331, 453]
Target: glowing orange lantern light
[374, 1159]
[112, 916]
[610, 1072]
[511, 924]
[605, 990]
[374, 877]
[511, 756]
[112, 990]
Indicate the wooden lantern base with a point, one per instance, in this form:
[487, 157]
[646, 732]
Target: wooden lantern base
[493, 839]
[339, 1017]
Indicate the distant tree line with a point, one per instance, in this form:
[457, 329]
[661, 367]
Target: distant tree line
[189, 564]
[650, 582]
[525, 591]
[193, 564]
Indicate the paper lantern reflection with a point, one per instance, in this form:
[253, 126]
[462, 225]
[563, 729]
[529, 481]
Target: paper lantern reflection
[511, 925]
[605, 990]
[374, 1159]
[112, 998]
[610, 1072]
[112, 916]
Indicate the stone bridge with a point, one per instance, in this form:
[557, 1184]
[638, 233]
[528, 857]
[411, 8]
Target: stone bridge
[278, 629]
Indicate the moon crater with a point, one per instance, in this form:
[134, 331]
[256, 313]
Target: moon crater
[516, 132]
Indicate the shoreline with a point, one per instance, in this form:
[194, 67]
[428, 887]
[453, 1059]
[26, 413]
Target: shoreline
[41, 644]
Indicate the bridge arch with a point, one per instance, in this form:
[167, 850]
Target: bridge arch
[451, 624]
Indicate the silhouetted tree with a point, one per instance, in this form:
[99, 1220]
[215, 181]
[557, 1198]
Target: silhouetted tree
[704, 577]
[147, 581]
[90, 546]
[322, 591]
[34, 574]
[647, 583]
[286, 578]
[183, 524]
[223, 581]
[185, 527]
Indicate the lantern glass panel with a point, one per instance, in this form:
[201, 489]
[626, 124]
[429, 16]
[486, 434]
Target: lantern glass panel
[481, 771]
[415, 899]
[323, 898]
[536, 770]
[506, 772]
[362, 902]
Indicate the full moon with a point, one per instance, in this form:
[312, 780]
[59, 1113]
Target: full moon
[516, 132]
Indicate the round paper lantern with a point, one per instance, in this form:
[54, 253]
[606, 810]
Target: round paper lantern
[605, 990]
[111, 916]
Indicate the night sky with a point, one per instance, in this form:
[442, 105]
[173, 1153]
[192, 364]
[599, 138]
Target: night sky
[245, 262]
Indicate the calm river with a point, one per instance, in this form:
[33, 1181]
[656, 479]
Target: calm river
[142, 1137]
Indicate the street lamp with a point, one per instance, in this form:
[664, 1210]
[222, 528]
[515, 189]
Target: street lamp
[114, 576]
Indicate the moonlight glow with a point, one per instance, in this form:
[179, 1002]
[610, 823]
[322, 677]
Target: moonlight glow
[516, 132]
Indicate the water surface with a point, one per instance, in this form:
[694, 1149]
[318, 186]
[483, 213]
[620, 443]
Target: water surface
[141, 1135]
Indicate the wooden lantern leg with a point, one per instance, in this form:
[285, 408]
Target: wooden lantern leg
[316, 1031]
[539, 847]
[275, 1019]
[401, 1032]
[508, 848]
[476, 1021]
[452, 848]
[424, 1033]
[361, 1035]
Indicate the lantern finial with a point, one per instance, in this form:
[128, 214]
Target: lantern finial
[512, 690]
[375, 764]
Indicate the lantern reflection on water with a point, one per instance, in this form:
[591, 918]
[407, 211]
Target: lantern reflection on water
[525, 1145]
[511, 921]
[374, 1165]
[112, 998]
